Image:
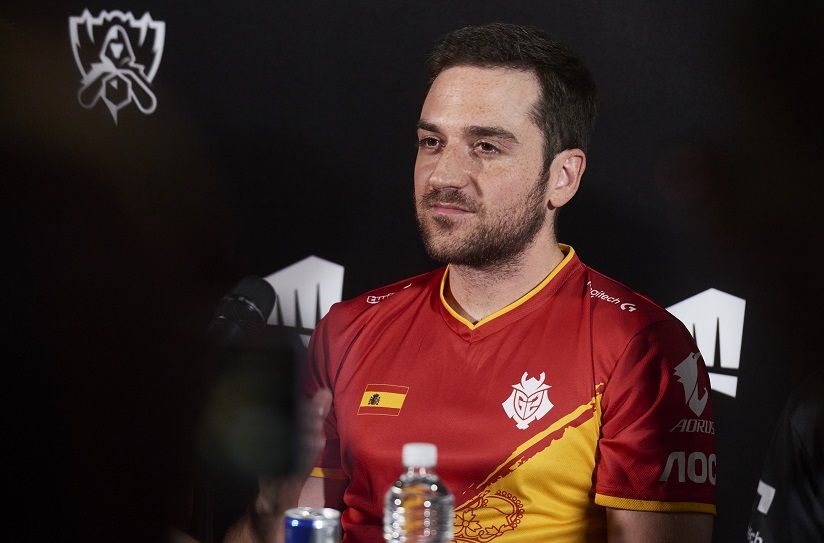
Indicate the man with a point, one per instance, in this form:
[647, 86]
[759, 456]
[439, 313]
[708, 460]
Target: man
[788, 507]
[565, 407]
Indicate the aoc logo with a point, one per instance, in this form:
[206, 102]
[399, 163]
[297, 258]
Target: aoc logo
[305, 292]
[118, 57]
[716, 321]
[697, 467]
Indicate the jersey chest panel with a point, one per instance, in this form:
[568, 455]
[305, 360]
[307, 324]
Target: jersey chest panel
[508, 395]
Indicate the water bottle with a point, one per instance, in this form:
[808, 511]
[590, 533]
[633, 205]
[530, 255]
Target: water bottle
[418, 507]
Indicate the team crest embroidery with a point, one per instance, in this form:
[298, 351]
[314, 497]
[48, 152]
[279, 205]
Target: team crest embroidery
[118, 57]
[529, 401]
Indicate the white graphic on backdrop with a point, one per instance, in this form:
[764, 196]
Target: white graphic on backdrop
[716, 318]
[305, 292]
[118, 57]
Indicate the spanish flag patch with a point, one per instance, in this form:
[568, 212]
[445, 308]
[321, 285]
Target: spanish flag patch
[382, 400]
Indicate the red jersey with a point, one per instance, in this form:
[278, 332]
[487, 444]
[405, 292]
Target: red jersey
[580, 395]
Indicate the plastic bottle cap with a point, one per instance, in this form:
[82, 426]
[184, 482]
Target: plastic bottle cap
[424, 455]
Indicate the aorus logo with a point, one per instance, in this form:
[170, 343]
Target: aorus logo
[118, 57]
[687, 373]
[305, 292]
[716, 321]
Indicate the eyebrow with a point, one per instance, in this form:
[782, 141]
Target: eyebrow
[474, 131]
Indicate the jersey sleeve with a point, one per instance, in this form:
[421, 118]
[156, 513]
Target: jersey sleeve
[657, 446]
[320, 375]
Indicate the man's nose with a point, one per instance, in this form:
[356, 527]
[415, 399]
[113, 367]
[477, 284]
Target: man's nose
[452, 169]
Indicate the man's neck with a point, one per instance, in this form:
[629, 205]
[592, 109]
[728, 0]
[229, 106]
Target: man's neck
[476, 293]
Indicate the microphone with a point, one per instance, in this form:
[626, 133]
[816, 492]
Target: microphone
[248, 421]
[243, 311]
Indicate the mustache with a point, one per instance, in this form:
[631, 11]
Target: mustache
[448, 196]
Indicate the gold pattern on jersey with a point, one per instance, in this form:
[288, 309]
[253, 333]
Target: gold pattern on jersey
[550, 477]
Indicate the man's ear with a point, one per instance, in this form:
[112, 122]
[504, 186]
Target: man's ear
[565, 176]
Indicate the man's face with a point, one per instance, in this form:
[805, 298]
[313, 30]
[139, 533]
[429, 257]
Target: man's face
[479, 196]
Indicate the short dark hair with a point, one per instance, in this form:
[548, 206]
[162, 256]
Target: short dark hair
[566, 109]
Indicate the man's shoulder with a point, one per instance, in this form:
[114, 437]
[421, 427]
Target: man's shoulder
[394, 295]
[804, 411]
[617, 305]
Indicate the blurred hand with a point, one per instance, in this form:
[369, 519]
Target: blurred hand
[314, 437]
[264, 523]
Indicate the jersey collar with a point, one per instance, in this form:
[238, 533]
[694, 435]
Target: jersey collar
[569, 255]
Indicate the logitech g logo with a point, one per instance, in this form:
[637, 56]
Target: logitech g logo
[602, 295]
[118, 57]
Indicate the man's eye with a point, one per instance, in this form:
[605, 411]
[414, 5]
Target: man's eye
[486, 147]
[429, 143]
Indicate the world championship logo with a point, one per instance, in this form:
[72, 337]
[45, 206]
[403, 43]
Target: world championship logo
[118, 57]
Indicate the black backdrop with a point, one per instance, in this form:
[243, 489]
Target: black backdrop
[286, 129]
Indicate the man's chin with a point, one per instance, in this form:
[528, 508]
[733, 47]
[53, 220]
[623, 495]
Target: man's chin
[439, 249]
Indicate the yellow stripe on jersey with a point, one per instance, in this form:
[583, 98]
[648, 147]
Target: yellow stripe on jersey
[390, 400]
[537, 438]
[327, 473]
[645, 505]
[566, 249]
[551, 479]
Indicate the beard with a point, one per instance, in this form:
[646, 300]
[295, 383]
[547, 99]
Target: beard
[498, 240]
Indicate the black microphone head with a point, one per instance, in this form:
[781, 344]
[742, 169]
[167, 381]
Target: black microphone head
[258, 292]
[245, 308]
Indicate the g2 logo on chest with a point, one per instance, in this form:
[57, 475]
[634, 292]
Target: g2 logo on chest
[529, 401]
